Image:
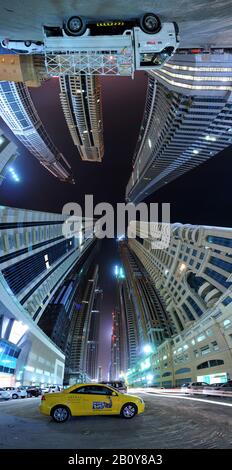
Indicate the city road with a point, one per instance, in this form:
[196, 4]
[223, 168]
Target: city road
[201, 22]
[168, 422]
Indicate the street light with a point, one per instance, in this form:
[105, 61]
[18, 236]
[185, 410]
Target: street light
[147, 349]
[13, 174]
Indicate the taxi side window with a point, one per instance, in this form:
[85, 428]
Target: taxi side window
[93, 390]
[79, 390]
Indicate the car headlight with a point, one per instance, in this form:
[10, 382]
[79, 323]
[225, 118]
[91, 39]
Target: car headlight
[141, 400]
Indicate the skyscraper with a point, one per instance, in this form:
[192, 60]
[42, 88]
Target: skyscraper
[187, 120]
[19, 113]
[93, 338]
[8, 153]
[35, 258]
[78, 357]
[193, 278]
[139, 318]
[81, 102]
[150, 320]
[118, 343]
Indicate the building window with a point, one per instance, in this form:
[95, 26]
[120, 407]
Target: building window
[215, 345]
[227, 301]
[184, 370]
[195, 306]
[211, 363]
[205, 350]
[225, 265]
[201, 338]
[219, 278]
[188, 312]
[226, 324]
[220, 241]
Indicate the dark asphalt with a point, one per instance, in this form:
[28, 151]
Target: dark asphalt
[168, 423]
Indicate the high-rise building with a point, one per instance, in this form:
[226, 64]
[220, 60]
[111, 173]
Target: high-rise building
[20, 115]
[8, 153]
[150, 320]
[139, 318]
[187, 120]
[77, 361]
[81, 102]
[99, 376]
[117, 346]
[193, 278]
[93, 339]
[35, 258]
[57, 316]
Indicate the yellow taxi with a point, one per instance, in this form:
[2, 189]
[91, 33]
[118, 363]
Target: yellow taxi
[90, 400]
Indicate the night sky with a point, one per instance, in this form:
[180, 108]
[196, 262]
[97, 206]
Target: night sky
[202, 196]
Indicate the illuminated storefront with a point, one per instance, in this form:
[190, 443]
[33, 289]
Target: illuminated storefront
[9, 354]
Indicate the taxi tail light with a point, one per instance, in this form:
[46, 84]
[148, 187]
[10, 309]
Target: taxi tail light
[43, 398]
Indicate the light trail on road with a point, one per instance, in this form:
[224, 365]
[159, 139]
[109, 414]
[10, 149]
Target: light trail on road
[187, 398]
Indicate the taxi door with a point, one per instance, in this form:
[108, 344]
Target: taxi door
[100, 400]
[75, 400]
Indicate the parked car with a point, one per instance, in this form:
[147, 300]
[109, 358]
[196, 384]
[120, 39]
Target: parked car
[13, 393]
[34, 392]
[118, 384]
[51, 389]
[1, 390]
[220, 387]
[193, 387]
[23, 47]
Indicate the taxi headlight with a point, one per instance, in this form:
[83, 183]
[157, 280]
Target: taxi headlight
[141, 400]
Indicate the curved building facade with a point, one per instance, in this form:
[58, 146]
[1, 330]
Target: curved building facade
[20, 115]
[80, 98]
[187, 120]
[35, 259]
[194, 279]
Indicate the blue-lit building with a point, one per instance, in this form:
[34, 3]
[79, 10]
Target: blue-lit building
[187, 120]
[20, 115]
[8, 154]
[35, 260]
[82, 343]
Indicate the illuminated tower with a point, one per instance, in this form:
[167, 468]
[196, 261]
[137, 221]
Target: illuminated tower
[187, 120]
[35, 259]
[20, 115]
[81, 102]
[8, 153]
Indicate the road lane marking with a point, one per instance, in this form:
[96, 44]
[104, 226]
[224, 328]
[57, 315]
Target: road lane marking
[187, 398]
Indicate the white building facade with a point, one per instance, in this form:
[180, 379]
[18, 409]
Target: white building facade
[20, 115]
[35, 258]
[193, 276]
[80, 98]
[187, 120]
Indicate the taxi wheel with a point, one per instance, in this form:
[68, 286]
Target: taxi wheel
[60, 414]
[129, 410]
